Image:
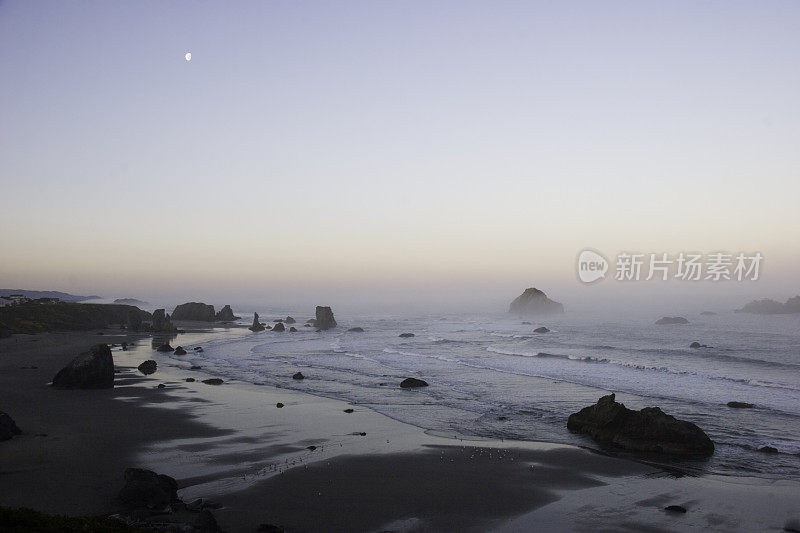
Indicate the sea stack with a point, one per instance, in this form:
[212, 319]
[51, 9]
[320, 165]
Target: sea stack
[324, 318]
[161, 323]
[534, 302]
[226, 315]
[256, 324]
[194, 311]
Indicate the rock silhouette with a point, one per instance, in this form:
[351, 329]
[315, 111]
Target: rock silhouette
[534, 302]
[647, 430]
[90, 370]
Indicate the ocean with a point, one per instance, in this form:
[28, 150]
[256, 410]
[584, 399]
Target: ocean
[491, 376]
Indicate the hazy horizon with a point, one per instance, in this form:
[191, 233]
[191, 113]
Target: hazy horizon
[411, 154]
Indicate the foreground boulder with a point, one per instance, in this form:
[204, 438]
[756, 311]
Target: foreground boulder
[195, 311]
[534, 302]
[180, 351]
[257, 326]
[671, 320]
[325, 319]
[148, 367]
[410, 383]
[8, 428]
[90, 370]
[145, 488]
[648, 430]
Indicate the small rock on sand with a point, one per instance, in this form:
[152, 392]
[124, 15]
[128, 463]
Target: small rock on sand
[269, 528]
[413, 383]
[675, 509]
[740, 405]
[406, 335]
[148, 367]
[298, 375]
[213, 381]
[279, 405]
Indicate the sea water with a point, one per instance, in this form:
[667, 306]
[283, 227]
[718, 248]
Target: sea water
[492, 376]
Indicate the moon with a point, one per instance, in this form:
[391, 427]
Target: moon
[188, 56]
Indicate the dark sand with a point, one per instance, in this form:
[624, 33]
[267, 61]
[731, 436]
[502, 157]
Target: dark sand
[439, 488]
[75, 444]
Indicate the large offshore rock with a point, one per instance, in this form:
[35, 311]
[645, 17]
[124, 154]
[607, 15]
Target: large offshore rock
[226, 314]
[194, 311]
[534, 302]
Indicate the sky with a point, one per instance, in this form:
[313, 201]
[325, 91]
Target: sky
[394, 151]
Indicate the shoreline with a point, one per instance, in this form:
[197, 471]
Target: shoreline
[231, 444]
